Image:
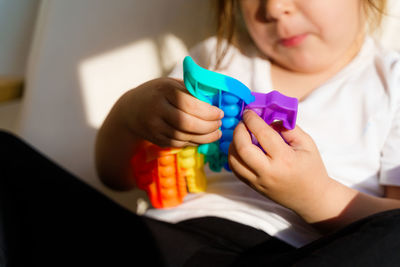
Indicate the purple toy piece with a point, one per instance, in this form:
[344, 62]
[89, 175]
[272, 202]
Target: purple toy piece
[274, 106]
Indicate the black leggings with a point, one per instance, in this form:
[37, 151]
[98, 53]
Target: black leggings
[48, 217]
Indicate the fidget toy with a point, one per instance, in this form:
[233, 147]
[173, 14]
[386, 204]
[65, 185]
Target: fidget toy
[168, 174]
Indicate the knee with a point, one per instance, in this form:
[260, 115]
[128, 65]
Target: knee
[10, 144]
[6, 136]
[8, 139]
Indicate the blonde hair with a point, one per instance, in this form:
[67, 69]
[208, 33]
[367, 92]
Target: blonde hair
[375, 11]
[227, 22]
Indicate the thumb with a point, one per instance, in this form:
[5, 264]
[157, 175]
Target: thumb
[296, 137]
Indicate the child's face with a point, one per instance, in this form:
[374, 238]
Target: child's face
[306, 35]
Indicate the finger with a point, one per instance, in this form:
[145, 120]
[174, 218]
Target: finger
[189, 104]
[269, 139]
[180, 144]
[172, 133]
[240, 168]
[164, 142]
[252, 155]
[179, 81]
[297, 138]
[186, 122]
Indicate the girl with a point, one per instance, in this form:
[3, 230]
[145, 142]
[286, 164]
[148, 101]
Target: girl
[323, 194]
[339, 167]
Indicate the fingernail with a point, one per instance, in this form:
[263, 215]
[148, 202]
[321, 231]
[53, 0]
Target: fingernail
[219, 123]
[246, 111]
[221, 114]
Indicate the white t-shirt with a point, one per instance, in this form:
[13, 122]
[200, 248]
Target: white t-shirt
[354, 118]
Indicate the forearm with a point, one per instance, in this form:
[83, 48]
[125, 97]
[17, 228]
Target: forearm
[341, 205]
[115, 146]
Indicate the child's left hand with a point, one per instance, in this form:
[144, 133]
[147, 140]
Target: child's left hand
[291, 173]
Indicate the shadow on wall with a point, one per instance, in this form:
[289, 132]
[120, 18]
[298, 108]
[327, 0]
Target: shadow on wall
[85, 55]
[16, 20]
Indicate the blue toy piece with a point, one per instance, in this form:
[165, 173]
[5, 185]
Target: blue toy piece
[207, 85]
[226, 93]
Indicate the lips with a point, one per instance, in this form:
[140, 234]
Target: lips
[294, 40]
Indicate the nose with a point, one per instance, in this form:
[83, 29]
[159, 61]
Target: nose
[276, 9]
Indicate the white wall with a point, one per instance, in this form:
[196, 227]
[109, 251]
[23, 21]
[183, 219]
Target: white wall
[17, 19]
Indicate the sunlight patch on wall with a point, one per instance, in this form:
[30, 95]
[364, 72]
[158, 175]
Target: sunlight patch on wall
[173, 51]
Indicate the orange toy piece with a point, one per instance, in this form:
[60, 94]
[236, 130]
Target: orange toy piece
[167, 174]
[157, 172]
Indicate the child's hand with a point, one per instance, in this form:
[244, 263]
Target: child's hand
[164, 113]
[291, 173]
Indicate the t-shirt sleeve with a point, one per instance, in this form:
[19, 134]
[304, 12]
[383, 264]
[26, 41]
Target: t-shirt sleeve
[390, 159]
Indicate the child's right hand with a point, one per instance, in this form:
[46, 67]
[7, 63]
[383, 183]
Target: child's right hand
[164, 113]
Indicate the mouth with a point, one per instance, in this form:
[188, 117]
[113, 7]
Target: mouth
[294, 40]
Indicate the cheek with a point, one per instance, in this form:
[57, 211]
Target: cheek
[338, 33]
[337, 24]
[264, 39]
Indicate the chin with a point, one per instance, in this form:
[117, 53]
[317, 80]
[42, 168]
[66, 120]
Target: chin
[305, 64]
[310, 68]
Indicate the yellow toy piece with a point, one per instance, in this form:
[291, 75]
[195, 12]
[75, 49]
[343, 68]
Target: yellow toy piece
[191, 166]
